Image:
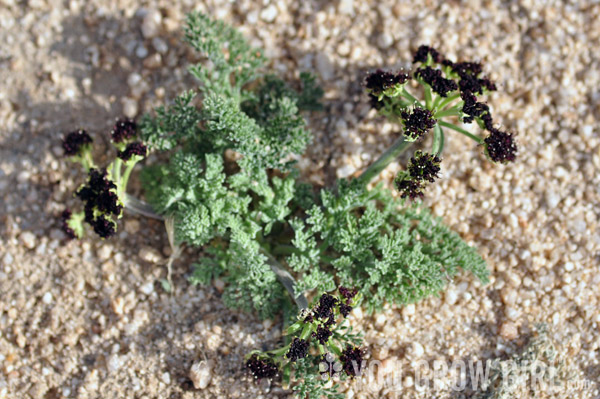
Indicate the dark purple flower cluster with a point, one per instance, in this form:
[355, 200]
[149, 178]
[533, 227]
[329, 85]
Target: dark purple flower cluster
[101, 201]
[423, 52]
[323, 334]
[262, 367]
[324, 309]
[469, 72]
[74, 142]
[433, 77]
[124, 130]
[408, 187]
[379, 81]
[474, 109]
[352, 360]
[132, 149]
[418, 122]
[298, 349]
[347, 295]
[65, 217]
[500, 146]
[424, 166]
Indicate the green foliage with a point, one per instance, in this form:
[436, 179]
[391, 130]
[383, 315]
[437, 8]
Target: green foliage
[231, 186]
[372, 241]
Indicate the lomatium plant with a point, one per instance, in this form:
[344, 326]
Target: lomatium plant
[230, 187]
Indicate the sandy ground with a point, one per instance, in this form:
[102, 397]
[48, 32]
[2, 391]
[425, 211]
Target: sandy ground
[89, 319]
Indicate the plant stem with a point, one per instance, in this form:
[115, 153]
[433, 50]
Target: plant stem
[447, 112]
[140, 207]
[479, 140]
[384, 160]
[123, 183]
[438, 140]
[410, 97]
[448, 100]
[427, 91]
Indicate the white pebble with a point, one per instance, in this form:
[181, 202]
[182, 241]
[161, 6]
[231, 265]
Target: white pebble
[200, 374]
[269, 14]
[150, 255]
[47, 298]
[346, 7]
[151, 24]
[28, 239]
[166, 378]
[409, 309]
[451, 296]
[385, 40]
[417, 350]
[345, 171]
[130, 107]
[114, 363]
[148, 288]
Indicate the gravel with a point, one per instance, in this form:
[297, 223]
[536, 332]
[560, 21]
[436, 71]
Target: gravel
[88, 319]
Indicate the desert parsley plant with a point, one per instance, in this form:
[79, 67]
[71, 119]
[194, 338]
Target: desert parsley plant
[229, 185]
[320, 349]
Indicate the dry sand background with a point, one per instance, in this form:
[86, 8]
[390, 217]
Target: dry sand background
[89, 320]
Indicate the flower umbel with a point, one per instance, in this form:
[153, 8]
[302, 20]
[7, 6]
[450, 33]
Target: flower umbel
[417, 122]
[352, 360]
[76, 142]
[262, 367]
[380, 81]
[326, 332]
[434, 78]
[424, 166]
[500, 146]
[408, 187]
[123, 131]
[133, 149]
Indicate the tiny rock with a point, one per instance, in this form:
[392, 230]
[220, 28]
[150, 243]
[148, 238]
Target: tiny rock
[200, 374]
[130, 107]
[269, 14]
[509, 331]
[417, 350]
[150, 255]
[219, 285]
[151, 24]
[47, 298]
[148, 288]
[28, 239]
[118, 306]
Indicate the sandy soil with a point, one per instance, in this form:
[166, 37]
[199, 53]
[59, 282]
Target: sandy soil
[89, 319]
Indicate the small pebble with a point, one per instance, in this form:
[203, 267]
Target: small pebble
[151, 24]
[150, 255]
[509, 331]
[28, 239]
[47, 298]
[130, 107]
[269, 14]
[200, 374]
[148, 288]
